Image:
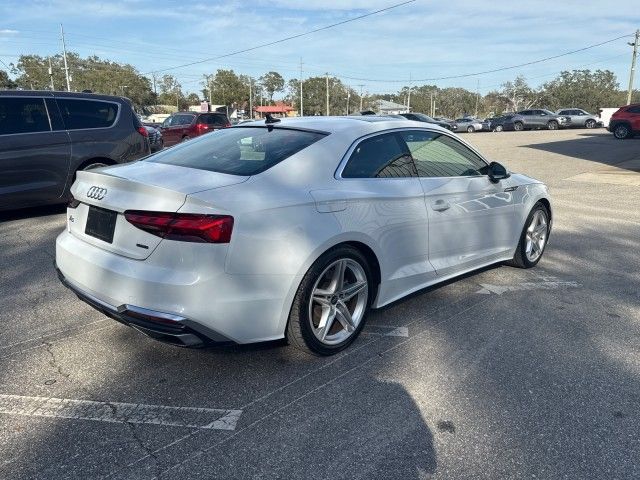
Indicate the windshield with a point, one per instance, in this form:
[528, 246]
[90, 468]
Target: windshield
[238, 150]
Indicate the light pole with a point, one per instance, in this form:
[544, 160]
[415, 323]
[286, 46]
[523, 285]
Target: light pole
[633, 65]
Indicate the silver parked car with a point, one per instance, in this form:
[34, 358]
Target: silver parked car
[469, 125]
[295, 233]
[580, 118]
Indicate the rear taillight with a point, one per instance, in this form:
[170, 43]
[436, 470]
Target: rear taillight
[186, 227]
[202, 127]
[143, 131]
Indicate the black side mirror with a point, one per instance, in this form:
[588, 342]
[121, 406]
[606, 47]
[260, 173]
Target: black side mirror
[497, 172]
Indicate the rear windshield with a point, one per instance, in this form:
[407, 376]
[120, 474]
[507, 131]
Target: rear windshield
[238, 150]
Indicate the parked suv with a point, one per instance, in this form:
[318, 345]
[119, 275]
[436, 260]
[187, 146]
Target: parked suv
[421, 117]
[625, 122]
[46, 137]
[576, 117]
[182, 126]
[535, 119]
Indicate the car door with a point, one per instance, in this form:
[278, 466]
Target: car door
[381, 197]
[471, 219]
[633, 114]
[174, 128]
[34, 158]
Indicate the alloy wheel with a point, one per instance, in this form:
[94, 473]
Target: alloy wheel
[338, 301]
[621, 132]
[590, 123]
[536, 235]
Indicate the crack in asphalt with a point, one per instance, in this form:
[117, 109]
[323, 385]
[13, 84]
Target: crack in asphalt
[54, 362]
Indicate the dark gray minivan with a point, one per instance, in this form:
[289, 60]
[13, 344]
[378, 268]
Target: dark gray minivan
[46, 137]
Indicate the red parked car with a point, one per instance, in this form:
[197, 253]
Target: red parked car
[182, 126]
[625, 123]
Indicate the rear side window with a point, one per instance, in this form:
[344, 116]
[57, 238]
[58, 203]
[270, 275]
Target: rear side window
[213, 119]
[240, 150]
[182, 120]
[382, 156]
[437, 155]
[79, 114]
[23, 115]
[634, 109]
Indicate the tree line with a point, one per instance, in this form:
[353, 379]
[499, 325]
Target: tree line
[577, 88]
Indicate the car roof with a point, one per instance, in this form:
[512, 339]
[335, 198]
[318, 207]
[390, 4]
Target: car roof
[354, 125]
[60, 94]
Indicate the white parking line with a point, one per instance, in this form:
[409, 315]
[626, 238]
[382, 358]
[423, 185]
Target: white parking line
[386, 331]
[546, 283]
[117, 412]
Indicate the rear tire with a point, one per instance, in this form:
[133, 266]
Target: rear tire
[533, 239]
[186, 138]
[91, 166]
[518, 126]
[318, 322]
[622, 131]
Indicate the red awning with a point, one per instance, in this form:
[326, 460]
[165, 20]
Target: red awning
[274, 109]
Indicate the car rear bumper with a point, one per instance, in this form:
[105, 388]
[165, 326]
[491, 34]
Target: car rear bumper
[180, 294]
[165, 327]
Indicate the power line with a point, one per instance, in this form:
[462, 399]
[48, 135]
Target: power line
[291, 37]
[495, 70]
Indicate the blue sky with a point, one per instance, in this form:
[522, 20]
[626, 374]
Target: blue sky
[424, 39]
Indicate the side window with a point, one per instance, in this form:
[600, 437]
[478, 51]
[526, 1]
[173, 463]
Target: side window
[78, 114]
[186, 119]
[23, 115]
[633, 110]
[220, 120]
[382, 156]
[438, 155]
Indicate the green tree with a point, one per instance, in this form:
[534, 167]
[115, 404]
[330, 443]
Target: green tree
[171, 92]
[228, 88]
[519, 95]
[272, 82]
[583, 89]
[193, 99]
[314, 92]
[91, 73]
[5, 81]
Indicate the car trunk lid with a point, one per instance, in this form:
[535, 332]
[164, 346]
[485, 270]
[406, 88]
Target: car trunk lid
[106, 193]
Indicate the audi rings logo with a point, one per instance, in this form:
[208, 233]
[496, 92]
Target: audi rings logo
[97, 193]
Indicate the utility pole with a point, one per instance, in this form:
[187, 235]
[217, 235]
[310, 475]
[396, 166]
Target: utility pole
[409, 96]
[301, 107]
[477, 98]
[155, 90]
[51, 74]
[327, 77]
[431, 102]
[64, 55]
[251, 98]
[633, 65]
[361, 86]
[348, 98]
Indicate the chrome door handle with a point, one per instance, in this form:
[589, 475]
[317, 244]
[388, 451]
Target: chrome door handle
[440, 205]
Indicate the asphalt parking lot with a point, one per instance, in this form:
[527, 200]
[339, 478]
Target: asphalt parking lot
[505, 373]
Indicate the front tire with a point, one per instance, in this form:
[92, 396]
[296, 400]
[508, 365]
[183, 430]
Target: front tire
[552, 125]
[533, 238]
[622, 131]
[330, 306]
[498, 128]
[470, 129]
[590, 123]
